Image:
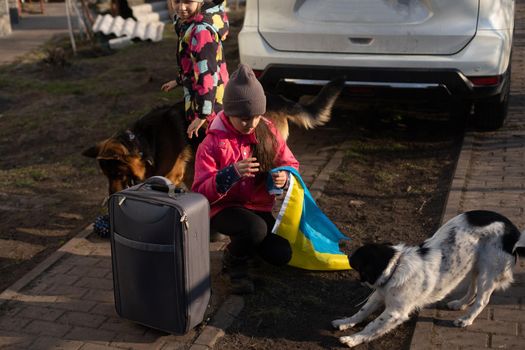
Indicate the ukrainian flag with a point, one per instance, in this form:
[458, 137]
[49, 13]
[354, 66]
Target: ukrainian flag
[313, 237]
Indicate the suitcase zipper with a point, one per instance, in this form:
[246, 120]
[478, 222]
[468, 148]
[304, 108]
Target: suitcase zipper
[184, 221]
[148, 200]
[183, 215]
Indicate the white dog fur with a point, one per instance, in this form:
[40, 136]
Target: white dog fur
[479, 245]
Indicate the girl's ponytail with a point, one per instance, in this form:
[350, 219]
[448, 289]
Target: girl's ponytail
[266, 148]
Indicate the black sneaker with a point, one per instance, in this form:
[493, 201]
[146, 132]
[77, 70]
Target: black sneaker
[235, 267]
[242, 286]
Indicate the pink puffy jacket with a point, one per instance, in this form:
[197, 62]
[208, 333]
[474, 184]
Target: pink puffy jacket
[223, 146]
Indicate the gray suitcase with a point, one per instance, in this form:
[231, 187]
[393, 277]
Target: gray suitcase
[160, 255]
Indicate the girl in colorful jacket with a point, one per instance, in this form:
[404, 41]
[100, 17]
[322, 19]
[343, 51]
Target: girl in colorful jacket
[201, 26]
[231, 168]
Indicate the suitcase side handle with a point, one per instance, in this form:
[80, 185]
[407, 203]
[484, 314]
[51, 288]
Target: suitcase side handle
[162, 184]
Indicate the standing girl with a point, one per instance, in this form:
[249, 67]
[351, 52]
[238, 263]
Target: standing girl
[231, 169]
[201, 26]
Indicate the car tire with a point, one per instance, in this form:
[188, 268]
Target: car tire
[490, 114]
[460, 111]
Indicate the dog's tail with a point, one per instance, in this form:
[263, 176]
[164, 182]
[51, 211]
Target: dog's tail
[308, 115]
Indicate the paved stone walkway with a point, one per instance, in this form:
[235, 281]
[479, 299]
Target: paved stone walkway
[67, 301]
[490, 175]
[34, 30]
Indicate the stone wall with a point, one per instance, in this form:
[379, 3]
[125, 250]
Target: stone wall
[5, 22]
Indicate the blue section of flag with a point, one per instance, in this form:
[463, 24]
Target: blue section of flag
[315, 225]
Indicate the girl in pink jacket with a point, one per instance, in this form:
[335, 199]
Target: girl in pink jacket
[231, 167]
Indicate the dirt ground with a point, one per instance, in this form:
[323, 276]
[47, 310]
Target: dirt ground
[391, 187]
[52, 107]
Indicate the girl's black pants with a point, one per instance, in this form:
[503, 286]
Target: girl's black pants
[251, 232]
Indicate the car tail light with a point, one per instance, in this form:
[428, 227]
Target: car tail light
[257, 73]
[485, 81]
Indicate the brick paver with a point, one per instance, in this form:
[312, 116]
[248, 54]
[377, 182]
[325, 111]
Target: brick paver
[68, 302]
[490, 175]
[33, 30]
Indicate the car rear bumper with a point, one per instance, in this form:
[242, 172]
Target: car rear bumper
[443, 82]
[488, 54]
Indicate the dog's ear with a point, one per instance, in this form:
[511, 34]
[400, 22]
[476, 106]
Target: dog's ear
[371, 260]
[91, 152]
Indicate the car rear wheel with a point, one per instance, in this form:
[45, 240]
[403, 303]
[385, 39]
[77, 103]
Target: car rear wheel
[490, 114]
[460, 111]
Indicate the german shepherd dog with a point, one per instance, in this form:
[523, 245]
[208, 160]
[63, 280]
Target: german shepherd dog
[157, 143]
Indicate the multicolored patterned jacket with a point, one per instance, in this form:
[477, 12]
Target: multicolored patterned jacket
[202, 66]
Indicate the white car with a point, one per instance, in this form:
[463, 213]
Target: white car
[460, 48]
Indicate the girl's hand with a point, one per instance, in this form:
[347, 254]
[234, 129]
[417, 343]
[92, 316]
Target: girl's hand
[170, 85]
[194, 127]
[247, 167]
[280, 178]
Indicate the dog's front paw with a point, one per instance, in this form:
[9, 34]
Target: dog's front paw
[351, 341]
[456, 305]
[462, 322]
[342, 324]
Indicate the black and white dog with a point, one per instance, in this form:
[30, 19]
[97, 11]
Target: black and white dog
[479, 245]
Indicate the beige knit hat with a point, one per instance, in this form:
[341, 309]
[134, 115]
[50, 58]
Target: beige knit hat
[244, 95]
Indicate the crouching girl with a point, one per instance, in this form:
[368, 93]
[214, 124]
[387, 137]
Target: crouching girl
[231, 169]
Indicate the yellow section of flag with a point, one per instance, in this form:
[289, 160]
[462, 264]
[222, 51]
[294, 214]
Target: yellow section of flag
[288, 226]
